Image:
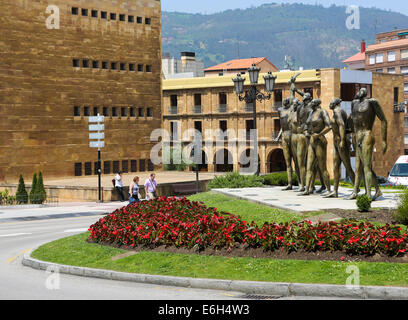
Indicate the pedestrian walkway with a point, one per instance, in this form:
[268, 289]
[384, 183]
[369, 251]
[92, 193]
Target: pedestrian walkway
[291, 201]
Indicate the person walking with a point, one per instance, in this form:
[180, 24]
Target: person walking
[134, 191]
[150, 187]
[119, 185]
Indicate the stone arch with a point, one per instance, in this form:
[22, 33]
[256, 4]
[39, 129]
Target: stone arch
[223, 161]
[276, 161]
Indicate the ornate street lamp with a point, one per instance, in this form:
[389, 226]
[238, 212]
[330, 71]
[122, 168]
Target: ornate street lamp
[252, 95]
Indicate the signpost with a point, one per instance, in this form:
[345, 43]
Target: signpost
[99, 136]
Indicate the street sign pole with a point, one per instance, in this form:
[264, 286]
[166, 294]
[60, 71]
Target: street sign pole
[99, 136]
[99, 177]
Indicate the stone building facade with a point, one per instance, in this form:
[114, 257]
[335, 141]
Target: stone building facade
[211, 104]
[61, 64]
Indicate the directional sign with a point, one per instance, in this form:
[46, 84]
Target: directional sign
[97, 119]
[96, 127]
[97, 144]
[97, 136]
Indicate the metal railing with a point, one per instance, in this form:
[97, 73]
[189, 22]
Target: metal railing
[173, 110]
[32, 199]
[197, 109]
[222, 108]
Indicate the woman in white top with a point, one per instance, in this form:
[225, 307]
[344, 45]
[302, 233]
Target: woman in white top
[134, 191]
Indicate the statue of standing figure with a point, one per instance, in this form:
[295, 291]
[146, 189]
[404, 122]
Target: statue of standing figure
[363, 113]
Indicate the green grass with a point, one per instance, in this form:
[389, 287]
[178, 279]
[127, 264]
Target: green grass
[247, 210]
[76, 251]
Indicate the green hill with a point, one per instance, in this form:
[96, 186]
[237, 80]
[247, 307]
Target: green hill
[314, 36]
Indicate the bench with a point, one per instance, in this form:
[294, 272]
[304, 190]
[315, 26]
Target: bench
[184, 188]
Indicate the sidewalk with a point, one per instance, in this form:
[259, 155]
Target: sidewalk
[291, 201]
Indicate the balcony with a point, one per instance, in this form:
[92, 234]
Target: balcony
[197, 109]
[249, 107]
[173, 110]
[276, 105]
[222, 108]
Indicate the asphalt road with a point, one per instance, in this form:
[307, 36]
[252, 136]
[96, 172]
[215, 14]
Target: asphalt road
[19, 282]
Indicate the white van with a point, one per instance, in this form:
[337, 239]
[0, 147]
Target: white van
[399, 173]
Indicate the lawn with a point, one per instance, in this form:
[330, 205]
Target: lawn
[76, 251]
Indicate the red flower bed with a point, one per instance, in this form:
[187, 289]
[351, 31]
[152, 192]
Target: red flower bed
[181, 223]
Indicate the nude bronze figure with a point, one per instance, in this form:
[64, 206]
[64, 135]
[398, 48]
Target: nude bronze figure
[342, 145]
[286, 135]
[363, 113]
[317, 126]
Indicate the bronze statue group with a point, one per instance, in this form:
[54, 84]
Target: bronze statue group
[304, 124]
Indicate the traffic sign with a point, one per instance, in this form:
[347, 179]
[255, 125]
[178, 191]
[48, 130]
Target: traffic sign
[97, 136]
[97, 144]
[97, 119]
[96, 127]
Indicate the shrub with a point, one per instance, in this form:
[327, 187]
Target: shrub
[182, 223]
[280, 179]
[401, 214]
[41, 194]
[33, 197]
[169, 163]
[235, 180]
[21, 194]
[6, 198]
[363, 203]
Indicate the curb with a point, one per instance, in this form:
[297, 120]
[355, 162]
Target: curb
[246, 287]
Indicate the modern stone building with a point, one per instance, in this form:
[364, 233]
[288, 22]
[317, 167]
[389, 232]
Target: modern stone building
[185, 67]
[211, 103]
[64, 62]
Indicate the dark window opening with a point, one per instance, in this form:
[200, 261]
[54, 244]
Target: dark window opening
[197, 99]
[142, 165]
[173, 100]
[125, 166]
[94, 13]
[396, 96]
[349, 90]
[116, 168]
[77, 111]
[86, 112]
[139, 20]
[114, 111]
[104, 15]
[131, 19]
[113, 16]
[133, 165]
[123, 112]
[122, 17]
[140, 67]
[148, 68]
[150, 165]
[141, 112]
[148, 20]
[106, 167]
[84, 12]
[198, 125]
[78, 169]
[88, 168]
[223, 125]
[95, 111]
[105, 111]
[149, 112]
[114, 66]
[222, 97]
[105, 65]
[75, 11]
[75, 63]
[278, 98]
[132, 67]
[132, 112]
[85, 63]
[95, 64]
[123, 66]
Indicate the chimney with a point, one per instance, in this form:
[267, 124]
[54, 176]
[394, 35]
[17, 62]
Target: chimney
[363, 46]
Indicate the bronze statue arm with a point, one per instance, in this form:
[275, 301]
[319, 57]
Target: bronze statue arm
[384, 123]
[342, 127]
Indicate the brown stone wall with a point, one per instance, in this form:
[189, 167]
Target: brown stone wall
[383, 91]
[39, 85]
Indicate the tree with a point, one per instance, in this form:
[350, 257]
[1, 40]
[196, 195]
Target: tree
[21, 195]
[33, 196]
[42, 195]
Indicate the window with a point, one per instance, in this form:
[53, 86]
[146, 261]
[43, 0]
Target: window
[133, 165]
[406, 122]
[85, 63]
[95, 64]
[125, 166]
[278, 98]
[404, 54]
[96, 168]
[141, 112]
[114, 111]
[149, 112]
[94, 13]
[404, 70]
[106, 167]
[114, 66]
[173, 131]
[372, 59]
[406, 88]
[95, 111]
[78, 169]
[105, 65]
[88, 168]
[113, 16]
[391, 70]
[132, 67]
[77, 111]
[122, 17]
[104, 15]
[140, 67]
[84, 12]
[131, 19]
[198, 126]
[173, 100]
[391, 56]
[222, 98]
[75, 11]
[86, 112]
[116, 168]
[123, 112]
[139, 20]
[150, 165]
[148, 68]
[123, 66]
[379, 70]
[197, 99]
[105, 111]
[75, 63]
[148, 20]
[223, 125]
[396, 96]
[142, 165]
[379, 58]
[132, 112]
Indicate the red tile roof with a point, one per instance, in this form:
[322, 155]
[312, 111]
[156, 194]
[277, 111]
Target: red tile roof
[357, 57]
[238, 64]
[388, 44]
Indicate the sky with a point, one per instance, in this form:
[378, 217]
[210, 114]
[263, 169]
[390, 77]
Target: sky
[211, 6]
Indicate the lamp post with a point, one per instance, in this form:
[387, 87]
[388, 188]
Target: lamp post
[252, 95]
